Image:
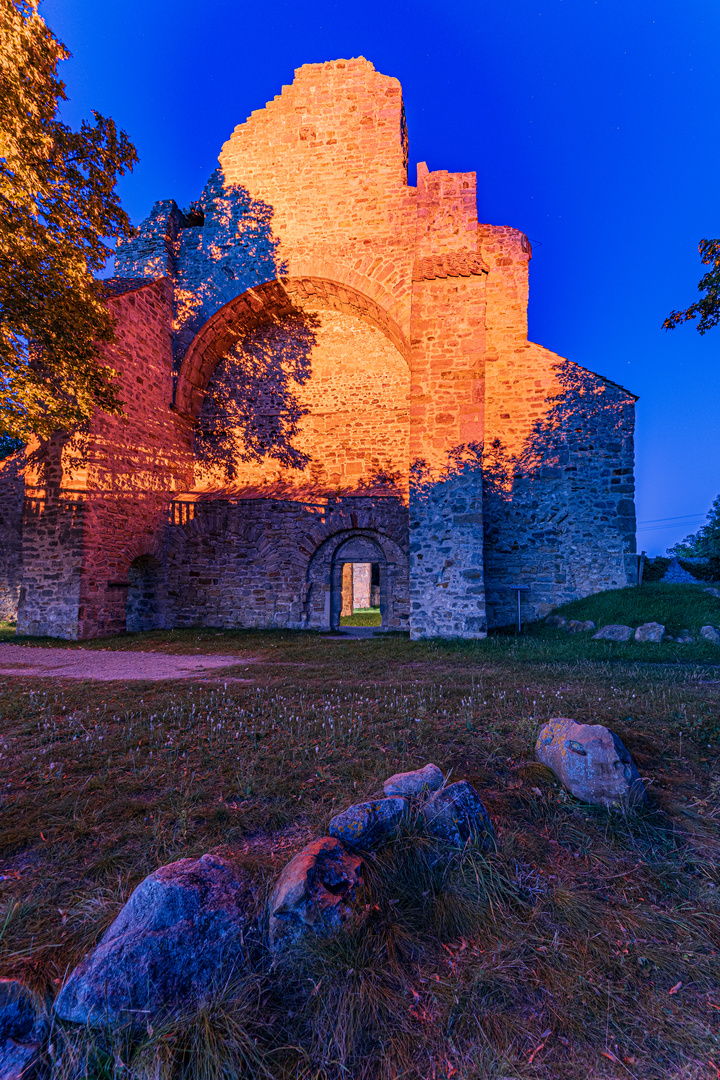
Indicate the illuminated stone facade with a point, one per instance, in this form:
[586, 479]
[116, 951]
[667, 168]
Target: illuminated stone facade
[406, 322]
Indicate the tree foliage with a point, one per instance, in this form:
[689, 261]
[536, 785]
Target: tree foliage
[58, 209]
[705, 543]
[708, 307]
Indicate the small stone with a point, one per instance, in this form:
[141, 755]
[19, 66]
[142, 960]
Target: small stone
[315, 892]
[709, 633]
[685, 637]
[430, 778]
[181, 934]
[614, 632]
[591, 762]
[457, 814]
[577, 626]
[23, 1031]
[367, 824]
[650, 631]
[557, 621]
[712, 592]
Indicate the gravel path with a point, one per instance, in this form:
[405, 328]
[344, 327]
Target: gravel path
[107, 666]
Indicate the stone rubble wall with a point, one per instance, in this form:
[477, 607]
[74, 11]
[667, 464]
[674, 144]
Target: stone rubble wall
[267, 562]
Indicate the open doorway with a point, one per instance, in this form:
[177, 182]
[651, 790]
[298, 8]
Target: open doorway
[143, 609]
[359, 590]
[360, 594]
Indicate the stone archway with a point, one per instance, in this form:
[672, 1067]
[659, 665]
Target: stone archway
[269, 303]
[363, 551]
[324, 578]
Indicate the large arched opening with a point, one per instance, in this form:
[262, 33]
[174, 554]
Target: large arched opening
[349, 426]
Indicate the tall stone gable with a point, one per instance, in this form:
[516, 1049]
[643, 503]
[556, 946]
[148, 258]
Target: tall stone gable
[433, 437]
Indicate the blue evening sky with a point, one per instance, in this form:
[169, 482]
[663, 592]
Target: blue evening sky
[592, 126]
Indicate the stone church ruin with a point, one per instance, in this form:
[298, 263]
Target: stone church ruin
[322, 368]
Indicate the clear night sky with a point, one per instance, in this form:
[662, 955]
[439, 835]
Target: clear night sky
[592, 126]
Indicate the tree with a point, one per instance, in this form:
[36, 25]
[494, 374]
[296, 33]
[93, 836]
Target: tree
[705, 543]
[708, 307]
[58, 209]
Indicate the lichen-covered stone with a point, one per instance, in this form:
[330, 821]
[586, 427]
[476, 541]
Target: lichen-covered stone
[457, 815]
[580, 626]
[591, 762]
[614, 632]
[367, 824]
[315, 892]
[429, 778]
[650, 631]
[709, 633]
[183, 933]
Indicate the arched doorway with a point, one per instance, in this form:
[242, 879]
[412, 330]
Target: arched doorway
[359, 582]
[144, 608]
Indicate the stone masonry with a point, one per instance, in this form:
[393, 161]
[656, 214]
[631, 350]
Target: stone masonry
[322, 364]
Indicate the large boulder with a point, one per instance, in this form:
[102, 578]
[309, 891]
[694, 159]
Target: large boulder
[456, 815]
[23, 1032]
[414, 783]
[315, 892]
[650, 631]
[614, 632]
[591, 762]
[184, 931]
[367, 824]
[709, 633]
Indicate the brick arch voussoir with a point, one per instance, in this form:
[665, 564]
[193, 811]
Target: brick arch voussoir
[140, 548]
[268, 302]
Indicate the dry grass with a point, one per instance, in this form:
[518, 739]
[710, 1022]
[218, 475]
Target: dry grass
[552, 957]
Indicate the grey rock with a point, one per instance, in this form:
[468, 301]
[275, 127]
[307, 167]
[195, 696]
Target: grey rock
[709, 633]
[614, 632]
[367, 824]
[577, 626]
[591, 762]
[184, 931]
[650, 631]
[685, 637]
[712, 592]
[557, 621]
[430, 778]
[456, 815]
[315, 892]
[23, 1032]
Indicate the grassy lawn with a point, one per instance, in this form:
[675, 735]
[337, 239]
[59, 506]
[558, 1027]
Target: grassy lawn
[592, 947]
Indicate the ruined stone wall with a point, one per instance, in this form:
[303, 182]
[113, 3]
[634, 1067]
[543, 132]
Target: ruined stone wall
[12, 492]
[101, 499]
[559, 510]
[329, 155]
[356, 427]
[267, 562]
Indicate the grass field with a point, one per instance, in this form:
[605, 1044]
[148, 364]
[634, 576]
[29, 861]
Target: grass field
[586, 945]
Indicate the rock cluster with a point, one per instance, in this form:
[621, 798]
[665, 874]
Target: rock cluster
[194, 926]
[653, 632]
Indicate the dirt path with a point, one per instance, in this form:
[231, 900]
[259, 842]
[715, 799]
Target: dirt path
[107, 666]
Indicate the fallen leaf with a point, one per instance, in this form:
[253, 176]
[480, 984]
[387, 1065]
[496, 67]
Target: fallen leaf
[535, 1051]
[674, 989]
[609, 1054]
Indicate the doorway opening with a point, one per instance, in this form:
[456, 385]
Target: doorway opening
[143, 609]
[360, 594]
